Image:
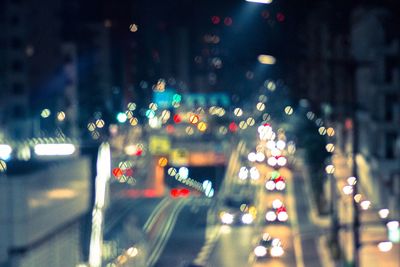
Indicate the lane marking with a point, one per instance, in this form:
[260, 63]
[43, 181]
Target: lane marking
[166, 234]
[155, 214]
[298, 252]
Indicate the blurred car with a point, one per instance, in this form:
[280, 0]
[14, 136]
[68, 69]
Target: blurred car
[277, 213]
[276, 184]
[268, 247]
[237, 210]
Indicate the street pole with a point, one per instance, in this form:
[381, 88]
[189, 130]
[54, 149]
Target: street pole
[356, 209]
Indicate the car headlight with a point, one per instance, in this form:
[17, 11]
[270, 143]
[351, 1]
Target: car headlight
[283, 216]
[226, 218]
[260, 251]
[280, 185]
[247, 218]
[270, 216]
[277, 203]
[270, 185]
[276, 251]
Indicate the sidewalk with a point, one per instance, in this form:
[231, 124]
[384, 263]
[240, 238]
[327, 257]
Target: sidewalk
[369, 253]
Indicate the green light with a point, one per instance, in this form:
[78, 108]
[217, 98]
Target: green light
[177, 98]
[150, 113]
[275, 175]
[121, 117]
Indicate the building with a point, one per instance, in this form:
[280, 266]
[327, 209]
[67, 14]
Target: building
[375, 47]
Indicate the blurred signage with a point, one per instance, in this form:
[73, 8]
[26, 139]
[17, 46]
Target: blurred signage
[159, 145]
[213, 99]
[164, 99]
[179, 157]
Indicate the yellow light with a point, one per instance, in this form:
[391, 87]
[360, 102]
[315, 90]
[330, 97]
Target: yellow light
[45, 113]
[133, 27]
[194, 119]
[163, 161]
[131, 106]
[266, 59]
[133, 121]
[60, 116]
[250, 121]
[322, 130]
[91, 126]
[202, 126]
[238, 112]
[260, 106]
[330, 147]
[100, 123]
[3, 166]
[242, 125]
[172, 171]
[289, 110]
[330, 131]
[330, 169]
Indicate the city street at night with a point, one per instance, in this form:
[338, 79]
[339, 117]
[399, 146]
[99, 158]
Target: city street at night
[183, 133]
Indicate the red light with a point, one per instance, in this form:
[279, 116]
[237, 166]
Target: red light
[280, 17]
[348, 124]
[280, 209]
[233, 127]
[228, 21]
[170, 129]
[177, 118]
[117, 172]
[279, 179]
[215, 20]
[129, 172]
[174, 192]
[185, 192]
[266, 124]
[139, 152]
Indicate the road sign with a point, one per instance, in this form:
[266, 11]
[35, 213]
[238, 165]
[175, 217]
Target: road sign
[159, 145]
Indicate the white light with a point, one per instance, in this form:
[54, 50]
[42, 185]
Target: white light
[270, 185]
[282, 161]
[283, 216]
[385, 246]
[210, 193]
[54, 149]
[270, 216]
[255, 175]
[275, 152]
[5, 151]
[276, 242]
[383, 213]
[365, 204]
[227, 218]
[155, 123]
[272, 161]
[260, 156]
[277, 203]
[271, 144]
[132, 252]
[260, 251]
[281, 144]
[352, 180]
[130, 150]
[183, 172]
[243, 173]
[252, 156]
[348, 190]
[277, 251]
[392, 225]
[280, 185]
[247, 218]
[260, 129]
